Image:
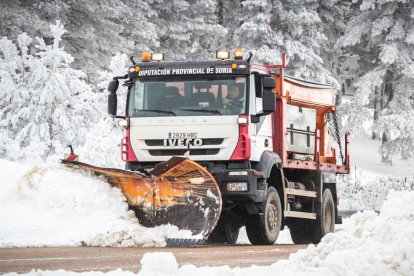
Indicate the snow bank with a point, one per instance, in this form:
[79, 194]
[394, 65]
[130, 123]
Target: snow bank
[10, 173]
[369, 243]
[55, 206]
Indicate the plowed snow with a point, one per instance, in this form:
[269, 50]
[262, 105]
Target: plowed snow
[55, 206]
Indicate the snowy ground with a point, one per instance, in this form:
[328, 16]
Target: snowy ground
[366, 159]
[370, 180]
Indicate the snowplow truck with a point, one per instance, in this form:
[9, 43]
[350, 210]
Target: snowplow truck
[264, 139]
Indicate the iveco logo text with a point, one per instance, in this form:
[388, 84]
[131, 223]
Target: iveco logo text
[182, 142]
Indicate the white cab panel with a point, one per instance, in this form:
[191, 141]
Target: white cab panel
[159, 138]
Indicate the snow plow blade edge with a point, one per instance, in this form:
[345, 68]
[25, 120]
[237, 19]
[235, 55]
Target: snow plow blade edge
[178, 192]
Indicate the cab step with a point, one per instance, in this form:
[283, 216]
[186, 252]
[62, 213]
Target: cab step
[297, 214]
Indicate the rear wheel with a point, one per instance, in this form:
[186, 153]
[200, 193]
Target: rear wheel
[301, 230]
[326, 220]
[304, 231]
[264, 229]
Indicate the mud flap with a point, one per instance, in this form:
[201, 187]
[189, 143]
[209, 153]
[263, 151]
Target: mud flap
[178, 192]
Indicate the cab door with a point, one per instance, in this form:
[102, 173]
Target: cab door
[261, 135]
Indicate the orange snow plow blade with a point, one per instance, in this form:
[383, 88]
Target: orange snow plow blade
[178, 192]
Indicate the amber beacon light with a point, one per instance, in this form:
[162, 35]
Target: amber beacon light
[238, 54]
[146, 56]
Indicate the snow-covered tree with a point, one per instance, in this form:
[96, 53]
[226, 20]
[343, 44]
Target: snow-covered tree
[43, 99]
[333, 15]
[255, 33]
[187, 29]
[14, 91]
[269, 27]
[96, 29]
[102, 143]
[99, 29]
[304, 39]
[381, 34]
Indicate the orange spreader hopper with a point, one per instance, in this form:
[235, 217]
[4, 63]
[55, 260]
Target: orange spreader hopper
[178, 192]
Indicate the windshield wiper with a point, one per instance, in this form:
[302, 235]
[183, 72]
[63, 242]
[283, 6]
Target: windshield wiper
[201, 110]
[158, 110]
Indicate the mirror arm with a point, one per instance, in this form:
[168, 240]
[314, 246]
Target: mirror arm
[255, 118]
[121, 77]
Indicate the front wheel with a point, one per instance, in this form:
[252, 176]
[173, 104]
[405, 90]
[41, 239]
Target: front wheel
[226, 231]
[264, 229]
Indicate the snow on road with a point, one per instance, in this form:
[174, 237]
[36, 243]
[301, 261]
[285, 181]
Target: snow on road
[54, 206]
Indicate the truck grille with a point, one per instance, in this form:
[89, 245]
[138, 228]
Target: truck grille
[172, 152]
[206, 142]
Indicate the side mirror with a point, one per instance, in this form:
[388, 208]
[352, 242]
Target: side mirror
[112, 98]
[269, 97]
[113, 86]
[269, 83]
[269, 101]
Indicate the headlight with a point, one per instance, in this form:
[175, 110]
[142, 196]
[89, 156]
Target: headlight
[237, 186]
[123, 123]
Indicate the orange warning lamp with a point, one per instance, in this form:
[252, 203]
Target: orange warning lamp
[238, 54]
[146, 56]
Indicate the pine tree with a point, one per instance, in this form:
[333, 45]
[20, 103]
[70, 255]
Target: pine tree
[333, 14]
[381, 34]
[96, 29]
[14, 91]
[43, 103]
[304, 39]
[269, 27]
[187, 30]
[102, 143]
[255, 33]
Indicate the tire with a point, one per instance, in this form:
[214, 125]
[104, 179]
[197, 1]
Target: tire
[264, 229]
[304, 231]
[301, 231]
[225, 232]
[326, 219]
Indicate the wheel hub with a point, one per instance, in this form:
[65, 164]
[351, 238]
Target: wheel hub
[272, 217]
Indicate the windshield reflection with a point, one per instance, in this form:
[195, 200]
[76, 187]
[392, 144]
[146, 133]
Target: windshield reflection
[188, 96]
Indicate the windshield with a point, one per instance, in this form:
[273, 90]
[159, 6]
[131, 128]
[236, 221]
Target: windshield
[188, 96]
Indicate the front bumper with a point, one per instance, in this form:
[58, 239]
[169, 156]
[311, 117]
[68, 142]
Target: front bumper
[256, 189]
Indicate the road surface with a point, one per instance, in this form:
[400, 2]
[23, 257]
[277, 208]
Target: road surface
[106, 258]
